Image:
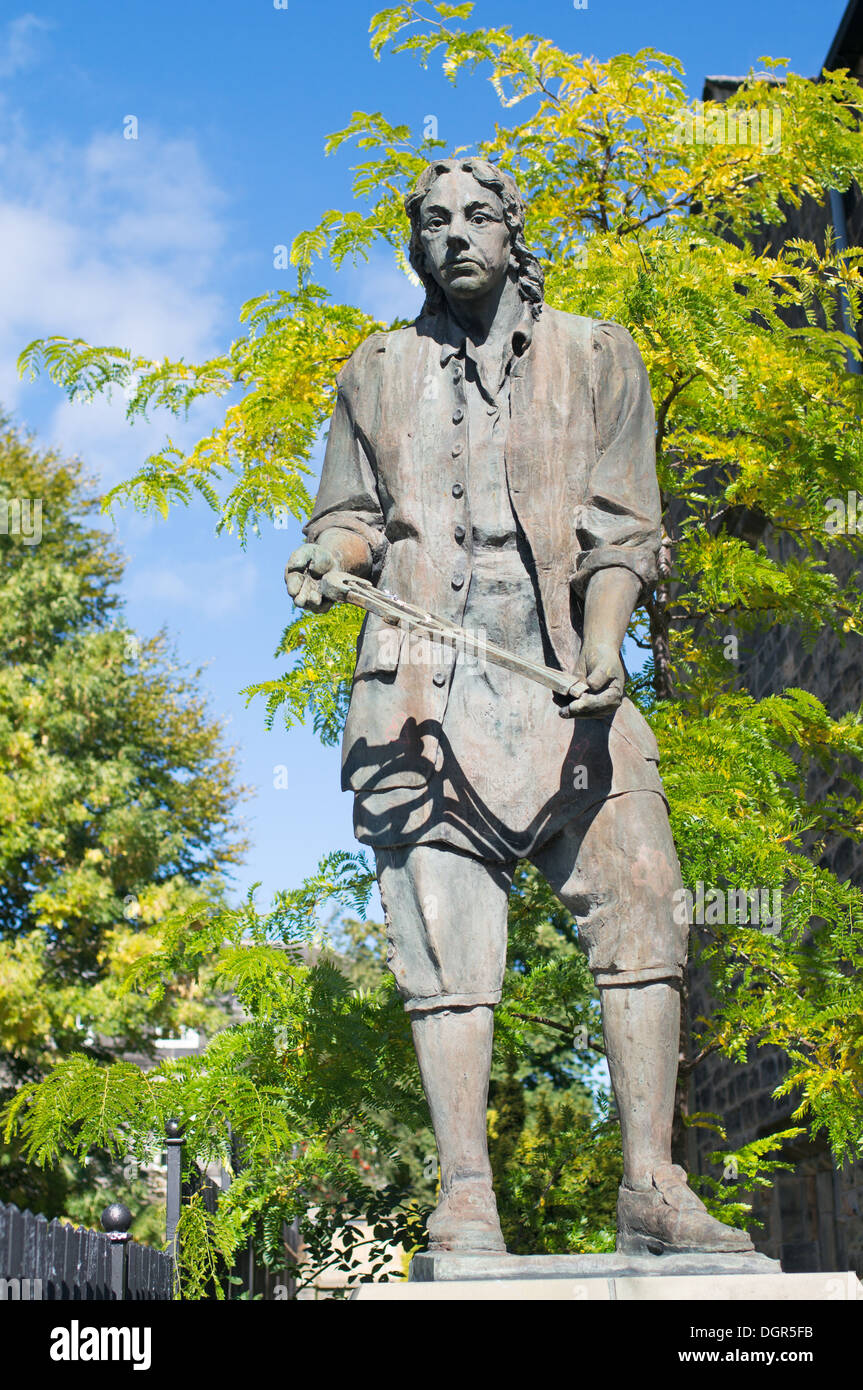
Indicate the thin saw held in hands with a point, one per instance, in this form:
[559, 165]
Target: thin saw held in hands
[337, 585]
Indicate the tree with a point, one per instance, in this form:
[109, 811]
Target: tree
[117, 795]
[643, 221]
[289, 1097]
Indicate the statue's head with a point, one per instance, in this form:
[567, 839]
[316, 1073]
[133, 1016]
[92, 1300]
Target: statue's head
[467, 234]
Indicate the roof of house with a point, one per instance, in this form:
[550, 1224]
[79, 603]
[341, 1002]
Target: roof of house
[718, 88]
[846, 50]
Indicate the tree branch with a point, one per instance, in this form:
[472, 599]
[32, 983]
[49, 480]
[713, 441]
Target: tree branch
[560, 1027]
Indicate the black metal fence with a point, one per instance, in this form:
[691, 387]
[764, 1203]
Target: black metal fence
[41, 1259]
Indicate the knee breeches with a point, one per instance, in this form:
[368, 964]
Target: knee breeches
[615, 869]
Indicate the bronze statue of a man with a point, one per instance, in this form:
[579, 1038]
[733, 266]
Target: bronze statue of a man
[494, 463]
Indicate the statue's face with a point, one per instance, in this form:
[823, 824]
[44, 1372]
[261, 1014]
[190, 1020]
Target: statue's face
[465, 238]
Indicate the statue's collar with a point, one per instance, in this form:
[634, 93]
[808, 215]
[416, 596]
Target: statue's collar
[455, 340]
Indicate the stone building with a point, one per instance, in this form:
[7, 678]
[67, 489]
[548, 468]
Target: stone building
[813, 1216]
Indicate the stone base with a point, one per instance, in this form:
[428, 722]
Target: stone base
[618, 1288]
[445, 1265]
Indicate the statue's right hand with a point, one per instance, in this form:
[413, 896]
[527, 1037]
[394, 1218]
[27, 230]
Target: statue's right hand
[303, 571]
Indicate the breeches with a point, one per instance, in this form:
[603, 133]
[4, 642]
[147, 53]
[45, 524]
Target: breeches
[614, 869]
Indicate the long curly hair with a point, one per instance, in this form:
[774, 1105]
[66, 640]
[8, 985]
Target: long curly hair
[524, 265]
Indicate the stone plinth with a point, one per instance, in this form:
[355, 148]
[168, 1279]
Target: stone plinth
[447, 1266]
[613, 1286]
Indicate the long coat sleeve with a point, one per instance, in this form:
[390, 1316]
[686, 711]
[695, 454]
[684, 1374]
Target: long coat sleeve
[348, 492]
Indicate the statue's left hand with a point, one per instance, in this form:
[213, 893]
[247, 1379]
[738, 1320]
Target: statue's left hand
[599, 688]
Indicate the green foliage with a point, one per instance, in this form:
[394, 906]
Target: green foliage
[555, 1151]
[283, 372]
[744, 1171]
[117, 793]
[557, 1193]
[289, 1097]
[320, 682]
[742, 820]
[207, 1241]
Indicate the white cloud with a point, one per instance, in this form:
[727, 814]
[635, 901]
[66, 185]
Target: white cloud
[379, 287]
[211, 589]
[18, 46]
[114, 241]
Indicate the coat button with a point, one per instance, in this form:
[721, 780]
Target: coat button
[457, 490]
[439, 677]
[457, 416]
[456, 450]
[459, 533]
[457, 581]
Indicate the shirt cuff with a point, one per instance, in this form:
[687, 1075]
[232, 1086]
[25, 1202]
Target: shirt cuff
[345, 521]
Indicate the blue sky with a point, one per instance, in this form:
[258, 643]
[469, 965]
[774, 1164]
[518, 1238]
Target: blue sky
[154, 244]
